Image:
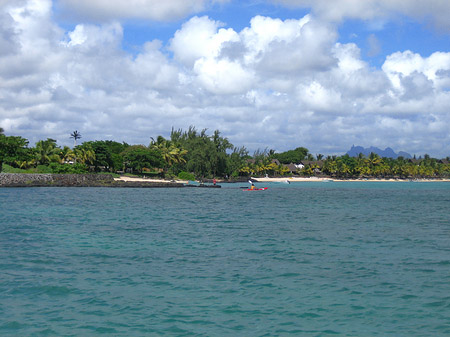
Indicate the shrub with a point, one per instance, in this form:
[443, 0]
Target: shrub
[67, 168]
[43, 169]
[186, 176]
[9, 169]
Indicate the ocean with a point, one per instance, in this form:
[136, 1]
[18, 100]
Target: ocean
[305, 259]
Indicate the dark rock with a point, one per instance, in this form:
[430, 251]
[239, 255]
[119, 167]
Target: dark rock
[73, 180]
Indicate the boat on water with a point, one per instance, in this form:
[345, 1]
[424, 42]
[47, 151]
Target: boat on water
[255, 189]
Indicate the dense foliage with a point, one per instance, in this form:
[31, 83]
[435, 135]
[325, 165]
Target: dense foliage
[291, 156]
[195, 154]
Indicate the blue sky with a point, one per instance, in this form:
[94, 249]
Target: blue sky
[402, 34]
[268, 74]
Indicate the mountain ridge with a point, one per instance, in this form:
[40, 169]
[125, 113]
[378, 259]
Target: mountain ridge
[386, 153]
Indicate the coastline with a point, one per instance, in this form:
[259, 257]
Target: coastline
[150, 180]
[77, 180]
[282, 180]
[103, 180]
[317, 179]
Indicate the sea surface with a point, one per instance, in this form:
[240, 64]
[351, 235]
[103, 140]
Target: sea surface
[305, 259]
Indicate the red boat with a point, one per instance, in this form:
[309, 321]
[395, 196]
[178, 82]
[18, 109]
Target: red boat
[255, 189]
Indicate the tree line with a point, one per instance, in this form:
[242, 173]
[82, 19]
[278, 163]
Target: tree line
[346, 167]
[193, 154]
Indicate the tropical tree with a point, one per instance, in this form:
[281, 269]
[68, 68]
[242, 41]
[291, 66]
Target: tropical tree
[206, 156]
[46, 151]
[85, 154]
[171, 153]
[330, 166]
[291, 156]
[374, 159]
[245, 170]
[24, 164]
[116, 149]
[138, 157]
[308, 171]
[66, 155]
[236, 161]
[14, 151]
[103, 155]
[283, 169]
[343, 169]
[219, 154]
[75, 135]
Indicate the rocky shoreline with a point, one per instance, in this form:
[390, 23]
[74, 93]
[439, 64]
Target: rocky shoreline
[75, 180]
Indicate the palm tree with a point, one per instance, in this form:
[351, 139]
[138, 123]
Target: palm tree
[171, 153]
[374, 160]
[66, 155]
[85, 155]
[75, 135]
[45, 151]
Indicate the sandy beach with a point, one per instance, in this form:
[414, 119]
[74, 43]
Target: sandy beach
[149, 180]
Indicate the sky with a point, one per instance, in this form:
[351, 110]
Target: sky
[275, 74]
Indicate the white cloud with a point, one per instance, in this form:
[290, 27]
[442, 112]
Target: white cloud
[223, 77]
[436, 12]
[316, 97]
[435, 68]
[226, 61]
[278, 84]
[291, 45]
[106, 10]
[88, 37]
[200, 37]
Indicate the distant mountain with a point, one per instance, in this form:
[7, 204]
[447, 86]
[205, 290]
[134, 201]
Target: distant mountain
[387, 152]
[404, 155]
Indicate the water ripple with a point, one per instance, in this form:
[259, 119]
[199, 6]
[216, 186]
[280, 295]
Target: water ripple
[307, 260]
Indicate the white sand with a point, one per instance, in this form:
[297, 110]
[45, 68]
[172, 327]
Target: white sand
[149, 180]
[290, 179]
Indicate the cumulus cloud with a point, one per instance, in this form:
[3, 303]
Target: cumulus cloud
[267, 47]
[106, 10]
[435, 68]
[200, 37]
[278, 84]
[435, 11]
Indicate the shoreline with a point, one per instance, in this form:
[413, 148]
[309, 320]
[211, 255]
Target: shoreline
[281, 180]
[98, 180]
[150, 180]
[316, 179]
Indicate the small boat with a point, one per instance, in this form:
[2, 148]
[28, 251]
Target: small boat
[255, 189]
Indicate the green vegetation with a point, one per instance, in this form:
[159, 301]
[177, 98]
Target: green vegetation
[186, 176]
[194, 154]
[140, 158]
[291, 156]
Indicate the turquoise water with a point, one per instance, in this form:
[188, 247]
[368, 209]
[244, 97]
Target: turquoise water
[306, 259]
